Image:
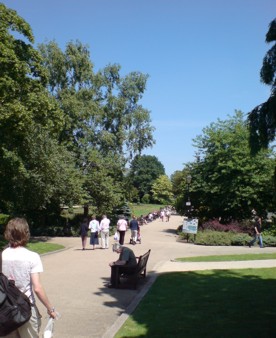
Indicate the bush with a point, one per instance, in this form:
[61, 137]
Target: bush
[240, 239]
[146, 199]
[208, 237]
[269, 241]
[215, 224]
[219, 238]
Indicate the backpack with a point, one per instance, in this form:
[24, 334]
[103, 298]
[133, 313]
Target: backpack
[15, 306]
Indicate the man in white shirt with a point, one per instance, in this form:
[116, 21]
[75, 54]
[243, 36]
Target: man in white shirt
[104, 228]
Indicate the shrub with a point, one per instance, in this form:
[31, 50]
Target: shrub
[213, 238]
[269, 241]
[240, 239]
[146, 199]
[217, 226]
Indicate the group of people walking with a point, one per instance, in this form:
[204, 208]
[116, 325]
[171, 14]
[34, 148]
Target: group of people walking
[101, 230]
[96, 229]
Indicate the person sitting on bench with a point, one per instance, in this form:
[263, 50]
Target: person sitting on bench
[125, 264]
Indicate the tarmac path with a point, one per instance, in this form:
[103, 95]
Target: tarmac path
[75, 280]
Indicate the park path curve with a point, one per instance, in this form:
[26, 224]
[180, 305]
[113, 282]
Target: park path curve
[75, 280]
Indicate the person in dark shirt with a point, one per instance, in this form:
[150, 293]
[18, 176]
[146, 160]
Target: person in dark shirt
[83, 232]
[134, 226]
[258, 232]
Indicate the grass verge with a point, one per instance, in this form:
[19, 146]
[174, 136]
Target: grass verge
[144, 209]
[41, 247]
[246, 257]
[214, 303]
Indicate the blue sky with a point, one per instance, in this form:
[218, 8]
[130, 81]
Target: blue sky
[203, 57]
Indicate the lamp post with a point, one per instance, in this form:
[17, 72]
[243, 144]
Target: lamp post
[188, 203]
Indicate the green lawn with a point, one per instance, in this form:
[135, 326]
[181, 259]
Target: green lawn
[144, 209]
[40, 247]
[245, 257]
[215, 304]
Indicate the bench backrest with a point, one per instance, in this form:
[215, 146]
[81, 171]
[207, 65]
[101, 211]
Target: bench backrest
[142, 261]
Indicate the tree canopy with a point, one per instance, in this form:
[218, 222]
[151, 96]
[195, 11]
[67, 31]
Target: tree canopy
[66, 132]
[144, 170]
[262, 119]
[227, 181]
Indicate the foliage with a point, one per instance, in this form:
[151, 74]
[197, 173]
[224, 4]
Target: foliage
[215, 225]
[162, 190]
[213, 238]
[37, 172]
[240, 239]
[66, 132]
[227, 182]
[144, 170]
[223, 238]
[262, 119]
[193, 304]
[269, 240]
[102, 110]
[177, 182]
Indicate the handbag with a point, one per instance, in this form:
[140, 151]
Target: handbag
[116, 236]
[15, 306]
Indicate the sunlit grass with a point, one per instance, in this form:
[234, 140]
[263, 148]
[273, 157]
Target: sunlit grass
[215, 303]
[41, 247]
[244, 257]
[144, 209]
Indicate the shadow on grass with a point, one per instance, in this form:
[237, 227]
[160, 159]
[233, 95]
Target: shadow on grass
[219, 303]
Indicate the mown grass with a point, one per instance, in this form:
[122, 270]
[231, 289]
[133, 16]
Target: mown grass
[244, 257]
[41, 247]
[215, 304]
[144, 209]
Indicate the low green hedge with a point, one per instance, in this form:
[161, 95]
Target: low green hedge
[218, 238]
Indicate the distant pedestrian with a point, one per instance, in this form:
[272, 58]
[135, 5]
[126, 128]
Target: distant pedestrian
[162, 215]
[122, 228]
[84, 232]
[104, 228]
[258, 232]
[168, 215]
[134, 226]
[94, 227]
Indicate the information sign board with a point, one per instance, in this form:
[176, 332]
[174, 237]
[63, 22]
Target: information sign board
[190, 225]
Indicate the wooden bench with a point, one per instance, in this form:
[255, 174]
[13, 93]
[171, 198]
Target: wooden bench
[133, 274]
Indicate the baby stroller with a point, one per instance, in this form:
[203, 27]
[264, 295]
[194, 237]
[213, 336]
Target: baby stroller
[138, 237]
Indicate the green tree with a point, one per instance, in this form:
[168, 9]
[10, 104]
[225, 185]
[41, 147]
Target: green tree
[102, 110]
[103, 182]
[144, 170]
[177, 179]
[262, 119]
[228, 182]
[102, 116]
[32, 168]
[162, 190]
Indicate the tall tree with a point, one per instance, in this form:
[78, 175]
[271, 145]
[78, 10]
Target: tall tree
[162, 190]
[262, 119]
[102, 114]
[102, 110]
[228, 182]
[33, 175]
[144, 170]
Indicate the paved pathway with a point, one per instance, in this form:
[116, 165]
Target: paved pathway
[75, 280]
